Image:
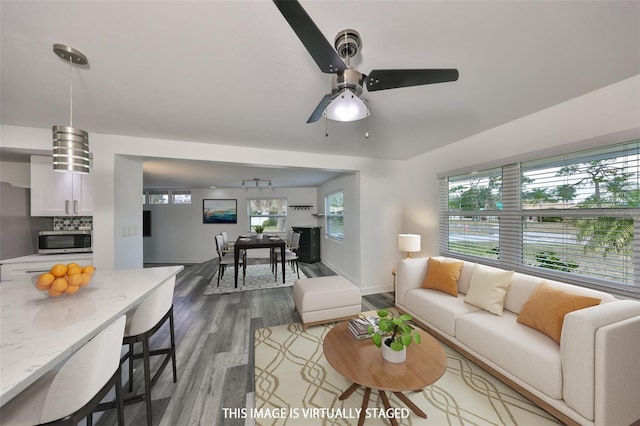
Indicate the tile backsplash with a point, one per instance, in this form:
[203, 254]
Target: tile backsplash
[72, 223]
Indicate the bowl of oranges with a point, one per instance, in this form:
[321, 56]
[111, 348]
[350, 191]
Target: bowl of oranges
[64, 280]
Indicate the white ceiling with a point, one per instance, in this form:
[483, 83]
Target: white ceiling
[233, 72]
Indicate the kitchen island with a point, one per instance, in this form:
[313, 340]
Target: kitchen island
[38, 332]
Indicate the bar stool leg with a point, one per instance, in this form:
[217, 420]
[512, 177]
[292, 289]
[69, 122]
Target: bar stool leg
[147, 376]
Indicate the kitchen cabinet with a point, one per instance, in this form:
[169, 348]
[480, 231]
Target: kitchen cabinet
[59, 193]
[309, 251]
[26, 266]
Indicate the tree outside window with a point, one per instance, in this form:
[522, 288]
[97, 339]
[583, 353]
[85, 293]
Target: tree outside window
[334, 210]
[270, 213]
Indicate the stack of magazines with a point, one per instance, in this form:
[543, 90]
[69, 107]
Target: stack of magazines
[359, 327]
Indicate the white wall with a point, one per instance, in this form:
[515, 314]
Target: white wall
[605, 116]
[342, 256]
[377, 190]
[128, 212]
[17, 174]
[178, 234]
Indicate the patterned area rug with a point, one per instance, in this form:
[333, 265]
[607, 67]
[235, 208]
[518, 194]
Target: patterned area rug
[295, 385]
[259, 277]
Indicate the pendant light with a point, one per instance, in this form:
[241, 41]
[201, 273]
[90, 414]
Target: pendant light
[70, 144]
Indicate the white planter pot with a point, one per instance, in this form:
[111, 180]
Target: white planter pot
[390, 355]
[259, 236]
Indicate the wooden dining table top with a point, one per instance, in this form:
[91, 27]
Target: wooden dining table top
[361, 361]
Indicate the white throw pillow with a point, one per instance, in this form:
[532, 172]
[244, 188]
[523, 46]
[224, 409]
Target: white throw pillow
[487, 288]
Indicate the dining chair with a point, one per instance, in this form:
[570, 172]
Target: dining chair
[225, 258]
[290, 255]
[72, 390]
[225, 237]
[143, 322]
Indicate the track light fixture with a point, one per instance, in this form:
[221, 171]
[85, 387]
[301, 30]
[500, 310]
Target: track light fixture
[259, 183]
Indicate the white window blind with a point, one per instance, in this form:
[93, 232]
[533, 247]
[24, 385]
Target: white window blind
[574, 217]
[334, 210]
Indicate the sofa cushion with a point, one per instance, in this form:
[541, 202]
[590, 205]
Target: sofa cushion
[547, 306]
[520, 350]
[436, 308]
[523, 285]
[487, 288]
[442, 275]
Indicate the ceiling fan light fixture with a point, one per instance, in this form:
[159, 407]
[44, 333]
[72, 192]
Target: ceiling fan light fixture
[347, 106]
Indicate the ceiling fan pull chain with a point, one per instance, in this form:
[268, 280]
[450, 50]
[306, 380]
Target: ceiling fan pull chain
[366, 132]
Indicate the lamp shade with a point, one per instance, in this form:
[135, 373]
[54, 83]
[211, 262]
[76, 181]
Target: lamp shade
[347, 106]
[408, 242]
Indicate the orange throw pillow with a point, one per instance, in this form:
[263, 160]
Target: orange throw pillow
[546, 307]
[443, 276]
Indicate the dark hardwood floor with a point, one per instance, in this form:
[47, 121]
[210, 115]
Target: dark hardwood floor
[214, 337]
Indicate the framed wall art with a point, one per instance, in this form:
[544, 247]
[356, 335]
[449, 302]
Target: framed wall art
[219, 211]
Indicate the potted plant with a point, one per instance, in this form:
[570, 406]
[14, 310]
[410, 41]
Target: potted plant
[398, 334]
[259, 229]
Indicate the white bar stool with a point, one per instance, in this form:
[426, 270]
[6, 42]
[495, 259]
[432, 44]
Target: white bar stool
[72, 390]
[142, 323]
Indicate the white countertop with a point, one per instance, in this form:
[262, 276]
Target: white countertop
[53, 258]
[38, 332]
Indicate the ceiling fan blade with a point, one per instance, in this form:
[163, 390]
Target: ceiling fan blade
[393, 79]
[311, 37]
[317, 113]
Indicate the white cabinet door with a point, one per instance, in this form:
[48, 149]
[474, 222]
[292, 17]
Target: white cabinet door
[58, 194]
[82, 195]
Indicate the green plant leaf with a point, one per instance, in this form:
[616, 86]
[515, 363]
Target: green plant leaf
[385, 325]
[406, 317]
[396, 346]
[416, 338]
[382, 313]
[377, 339]
[397, 321]
[406, 339]
[406, 328]
[370, 329]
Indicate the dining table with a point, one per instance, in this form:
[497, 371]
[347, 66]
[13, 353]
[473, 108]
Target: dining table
[245, 242]
[37, 332]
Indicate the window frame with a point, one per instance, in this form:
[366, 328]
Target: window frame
[513, 239]
[329, 216]
[251, 227]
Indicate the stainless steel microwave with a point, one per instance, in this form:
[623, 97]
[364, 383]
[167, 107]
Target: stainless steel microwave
[50, 242]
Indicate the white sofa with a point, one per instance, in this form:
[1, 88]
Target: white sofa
[591, 378]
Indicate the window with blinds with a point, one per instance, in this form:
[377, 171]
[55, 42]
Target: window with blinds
[574, 217]
[473, 225]
[334, 209]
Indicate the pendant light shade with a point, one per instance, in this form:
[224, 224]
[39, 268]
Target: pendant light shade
[70, 150]
[70, 144]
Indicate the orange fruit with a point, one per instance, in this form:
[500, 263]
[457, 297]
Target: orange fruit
[72, 289]
[74, 270]
[74, 280]
[85, 279]
[89, 269]
[59, 270]
[54, 293]
[45, 280]
[60, 284]
[69, 265]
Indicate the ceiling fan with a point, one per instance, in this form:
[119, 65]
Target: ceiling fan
[344, 102]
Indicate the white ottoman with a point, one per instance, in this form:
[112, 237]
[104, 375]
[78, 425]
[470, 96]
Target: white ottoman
[326, 299]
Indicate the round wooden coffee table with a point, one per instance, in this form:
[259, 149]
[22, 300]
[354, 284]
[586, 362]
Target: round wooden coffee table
[361, 362]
